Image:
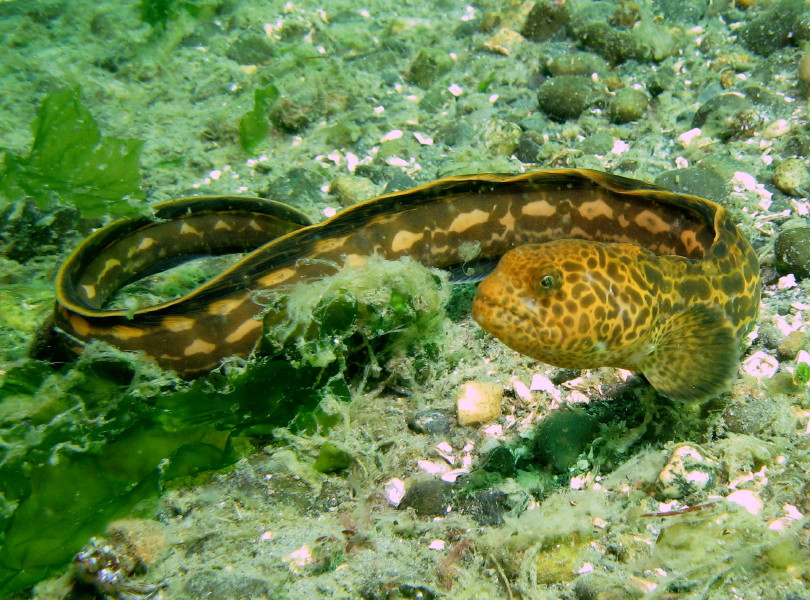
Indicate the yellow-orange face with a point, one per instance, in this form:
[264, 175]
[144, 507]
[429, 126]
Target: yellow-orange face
[572, 303]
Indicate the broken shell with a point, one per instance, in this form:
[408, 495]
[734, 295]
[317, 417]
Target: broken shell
[478, 402]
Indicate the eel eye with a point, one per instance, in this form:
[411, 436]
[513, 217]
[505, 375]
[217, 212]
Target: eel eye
[546, 281]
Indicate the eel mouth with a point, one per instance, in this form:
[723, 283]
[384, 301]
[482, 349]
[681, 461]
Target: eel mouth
[484, 307]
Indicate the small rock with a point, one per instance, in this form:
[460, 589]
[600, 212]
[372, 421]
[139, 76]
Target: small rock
[427, 497]
[578, 63]
[499, 460]
[684, 11]
[500, 137]
[478, 402]
[431, 421]
[568, 96]
[627, 105]
[790, 346]
[251, 49]
[697, 181]
[563, 435]
[793, 177]
[505, 42]
[529, 145]
[332, 458]
[726, 116]
[428, 66]
[599, 143]
[773, 28]
[545, 19]
[351, 189]
[792, 249]
[661, 81]
[686, 472]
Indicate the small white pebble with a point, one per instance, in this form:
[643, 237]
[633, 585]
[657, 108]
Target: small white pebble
[394, 491]
[437, 545]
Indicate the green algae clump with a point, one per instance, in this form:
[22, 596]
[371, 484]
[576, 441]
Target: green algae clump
[357, 320]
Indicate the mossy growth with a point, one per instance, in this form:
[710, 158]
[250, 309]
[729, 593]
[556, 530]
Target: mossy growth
[71, 161]
[361, 319]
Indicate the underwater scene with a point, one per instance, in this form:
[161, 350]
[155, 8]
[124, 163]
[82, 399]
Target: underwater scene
[405, 300]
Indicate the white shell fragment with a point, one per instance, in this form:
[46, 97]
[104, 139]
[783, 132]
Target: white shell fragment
[760, 365]
[478, 402]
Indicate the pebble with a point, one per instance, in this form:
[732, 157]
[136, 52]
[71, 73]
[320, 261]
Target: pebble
[428, 66]
[431, 421]
[793, 177]
[790, 346]
[687, 471]
[350, 189]
[772, 28]
[427, 497]
[725, 116]
[628, 104]
[251, 49]
[568, 96]
[792, 250]
[578, 63]
[501, 137]
[697, 181]
[332, 458]
[545, 19]
[563, 435]
[478, 402]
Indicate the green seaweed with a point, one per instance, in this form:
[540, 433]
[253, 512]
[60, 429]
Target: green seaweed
[801, 375]
[70, 161]
[254, 124]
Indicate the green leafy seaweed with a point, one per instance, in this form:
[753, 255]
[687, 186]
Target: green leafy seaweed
[254, 124]
[71, 162]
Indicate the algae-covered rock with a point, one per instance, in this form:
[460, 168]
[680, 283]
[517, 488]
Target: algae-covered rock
[792, 249]
[332, 458]
[726, 116]
[599, 143]
[428, 66]
[621, 33]
[563, 436]
[544, 20]
[568, 96]
[773, 28]
[578, 63]
[427, 497]
[628, 104]
[697, 181]
[683, 11]
[793, 177]
[500, 137]
[251, 49]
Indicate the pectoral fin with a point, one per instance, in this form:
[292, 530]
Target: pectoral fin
[695, 355]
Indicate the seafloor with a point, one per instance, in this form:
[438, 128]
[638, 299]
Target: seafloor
[588, 485]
